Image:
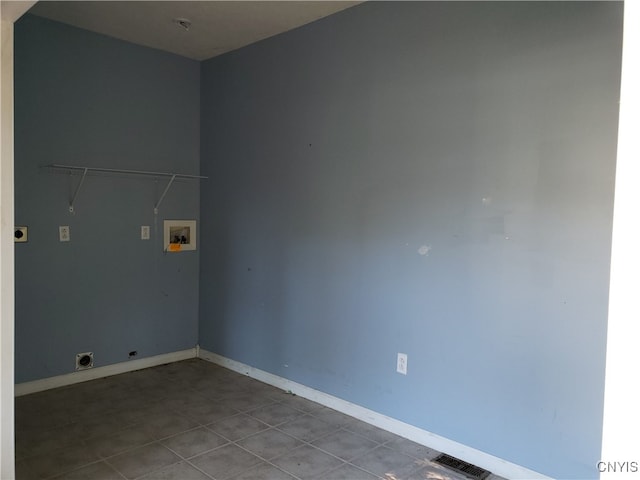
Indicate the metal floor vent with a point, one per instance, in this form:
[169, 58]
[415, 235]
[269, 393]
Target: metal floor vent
[465, 468]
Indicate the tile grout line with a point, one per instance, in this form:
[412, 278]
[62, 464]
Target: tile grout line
[184, 459]
[266, 461]
[115, 469]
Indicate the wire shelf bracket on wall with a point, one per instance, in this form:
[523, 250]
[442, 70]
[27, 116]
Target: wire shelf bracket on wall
[73, 169]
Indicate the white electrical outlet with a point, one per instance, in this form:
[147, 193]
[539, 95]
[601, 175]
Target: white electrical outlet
[145, 232]
[402, 363]
[65, 233]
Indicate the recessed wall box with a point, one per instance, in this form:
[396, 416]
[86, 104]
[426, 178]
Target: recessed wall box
[84, 360]
[20, 234]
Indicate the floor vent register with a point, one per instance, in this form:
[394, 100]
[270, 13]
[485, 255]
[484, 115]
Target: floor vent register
[457, 465]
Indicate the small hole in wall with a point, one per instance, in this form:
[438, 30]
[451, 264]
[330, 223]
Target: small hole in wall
[84, 360]
[133, 353]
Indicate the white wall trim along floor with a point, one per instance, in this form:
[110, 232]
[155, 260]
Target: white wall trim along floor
[101, 372]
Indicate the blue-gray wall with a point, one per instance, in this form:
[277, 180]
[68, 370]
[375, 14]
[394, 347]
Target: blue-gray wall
[428, 178]
[86, 99]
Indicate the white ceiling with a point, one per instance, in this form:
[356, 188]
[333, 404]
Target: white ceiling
[217, 26]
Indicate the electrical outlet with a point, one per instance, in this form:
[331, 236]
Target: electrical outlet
[65, 233]
[145, 232]
[402, 363]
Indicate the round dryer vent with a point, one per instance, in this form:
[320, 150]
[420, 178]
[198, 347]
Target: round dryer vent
[84, 360]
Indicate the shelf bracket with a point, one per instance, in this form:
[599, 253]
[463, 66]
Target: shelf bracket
[75, 195]
[166, 189]
[85, 170]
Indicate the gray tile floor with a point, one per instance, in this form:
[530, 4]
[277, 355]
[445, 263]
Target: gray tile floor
[193, 420]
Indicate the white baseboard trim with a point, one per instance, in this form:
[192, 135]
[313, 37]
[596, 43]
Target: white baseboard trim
[101, 372]
[484, 460]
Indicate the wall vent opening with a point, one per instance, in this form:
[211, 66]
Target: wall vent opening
[457, 465]
[84, 360]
